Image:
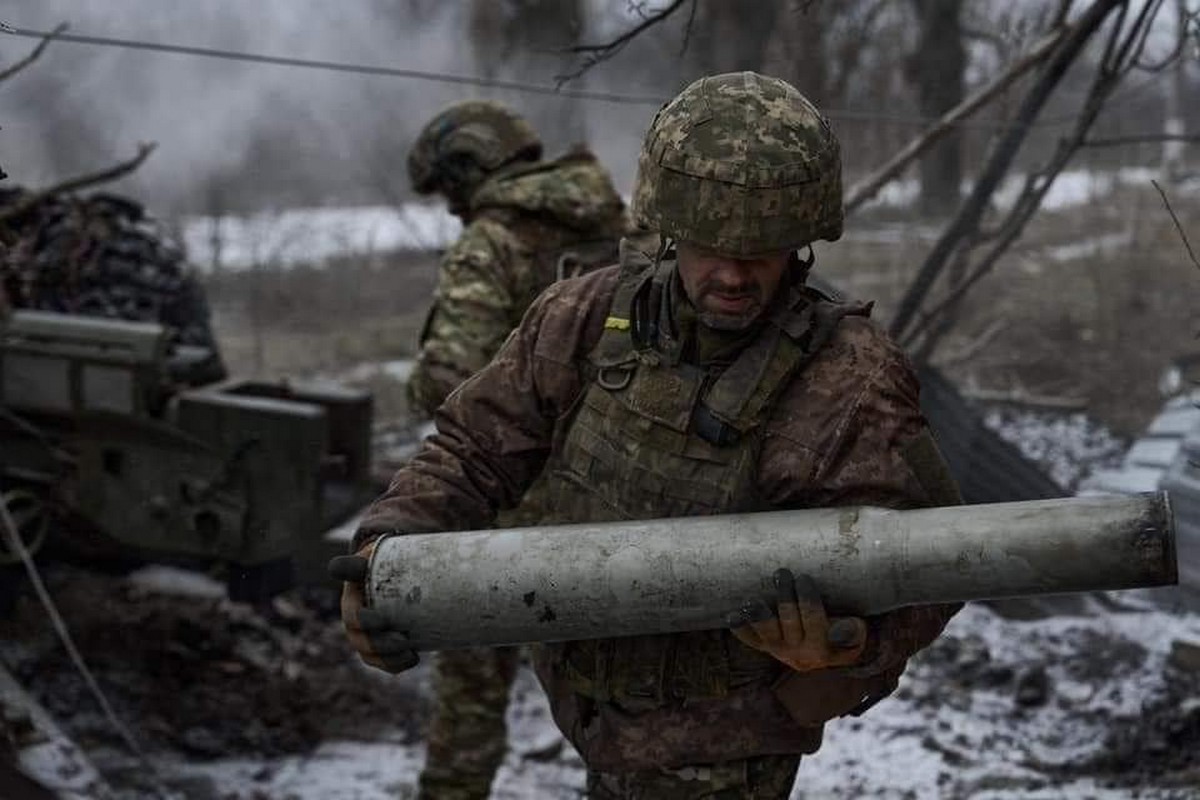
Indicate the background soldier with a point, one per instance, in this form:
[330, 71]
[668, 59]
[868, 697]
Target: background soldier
[700, 377]
[527, 223]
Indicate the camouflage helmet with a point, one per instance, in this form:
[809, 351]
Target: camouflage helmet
[741, 164]
[481, 132]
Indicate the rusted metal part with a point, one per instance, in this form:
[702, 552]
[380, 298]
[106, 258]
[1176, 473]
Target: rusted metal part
[557, 583]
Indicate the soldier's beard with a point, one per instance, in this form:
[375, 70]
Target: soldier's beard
[728, 320]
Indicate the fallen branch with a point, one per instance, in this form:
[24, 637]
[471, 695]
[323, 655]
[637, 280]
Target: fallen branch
[80, 182]
[1178, 227]
[1148, 138]
[868, 187]
[35, 54]
[1019, 397]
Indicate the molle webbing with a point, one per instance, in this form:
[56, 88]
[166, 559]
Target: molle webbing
[742, 396]
[739, 399]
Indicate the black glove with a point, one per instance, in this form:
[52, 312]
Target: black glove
[377, 643]
[799, 633]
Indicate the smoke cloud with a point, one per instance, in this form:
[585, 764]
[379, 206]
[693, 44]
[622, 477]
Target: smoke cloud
[237, 136]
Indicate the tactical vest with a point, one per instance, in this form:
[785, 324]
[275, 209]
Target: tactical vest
[652, 436]
[555, 251]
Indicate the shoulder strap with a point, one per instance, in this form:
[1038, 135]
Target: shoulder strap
[745, 391]
[624, 327]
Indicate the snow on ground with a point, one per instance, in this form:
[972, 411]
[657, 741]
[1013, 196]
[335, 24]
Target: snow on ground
[997, 709]
[933, 739]
[1089, 248]
[312, 235]
[1068, 447]
[1070, 189]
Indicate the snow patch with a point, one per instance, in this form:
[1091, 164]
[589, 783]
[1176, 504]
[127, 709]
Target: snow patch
[1070, 189]
[1067, 446]
[313, 235]
[162, 579]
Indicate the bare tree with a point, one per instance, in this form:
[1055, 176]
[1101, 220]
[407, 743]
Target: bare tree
[528, 37]
[1172, 152]
[796, 50]
[589, 55]
[730, 37]
[968, 248]
[967, 251]
[866, 188]
[937, 67]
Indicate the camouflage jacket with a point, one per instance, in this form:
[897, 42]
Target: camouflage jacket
[839, 435]
[525, 227]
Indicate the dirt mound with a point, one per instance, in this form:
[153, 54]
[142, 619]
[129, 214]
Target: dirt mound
[205, 677]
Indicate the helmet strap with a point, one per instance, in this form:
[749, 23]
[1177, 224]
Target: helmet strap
[801, 266]
[666, 245]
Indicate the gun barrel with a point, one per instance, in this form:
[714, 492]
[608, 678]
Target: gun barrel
[565, 582]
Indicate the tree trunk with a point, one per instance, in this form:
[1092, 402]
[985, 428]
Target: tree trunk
[729, 37]
[936, 69]
[1173, 125]
[526, 39]
[795, 51]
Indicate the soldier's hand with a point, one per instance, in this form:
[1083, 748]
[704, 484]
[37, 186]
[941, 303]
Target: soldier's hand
[369, 632]
[799, 634]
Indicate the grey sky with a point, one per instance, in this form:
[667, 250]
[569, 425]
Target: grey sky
[315, 136]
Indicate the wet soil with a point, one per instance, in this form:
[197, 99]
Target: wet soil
[205, 677]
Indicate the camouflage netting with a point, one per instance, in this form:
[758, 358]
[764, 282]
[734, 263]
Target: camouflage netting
[99, 255]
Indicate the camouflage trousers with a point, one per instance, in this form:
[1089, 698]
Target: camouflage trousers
[762, 778]
[467, 735]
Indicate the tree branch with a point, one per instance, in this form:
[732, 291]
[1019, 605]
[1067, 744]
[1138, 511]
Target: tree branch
[597, 53]
[868, 187]
[687, 28]
[80, 182]
[35, 54]
[1108, 76]
[1178, 227]
[998, 164]
[1185, 32]
[1061, 14]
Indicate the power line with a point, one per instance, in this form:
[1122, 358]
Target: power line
[482, 82]
[339, 66]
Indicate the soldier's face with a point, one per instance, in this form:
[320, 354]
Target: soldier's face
[729, 293]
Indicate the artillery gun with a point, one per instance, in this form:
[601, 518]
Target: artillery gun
[109, 450]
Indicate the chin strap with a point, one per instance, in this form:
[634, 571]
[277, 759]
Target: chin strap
[666, 246]
[801, 266]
